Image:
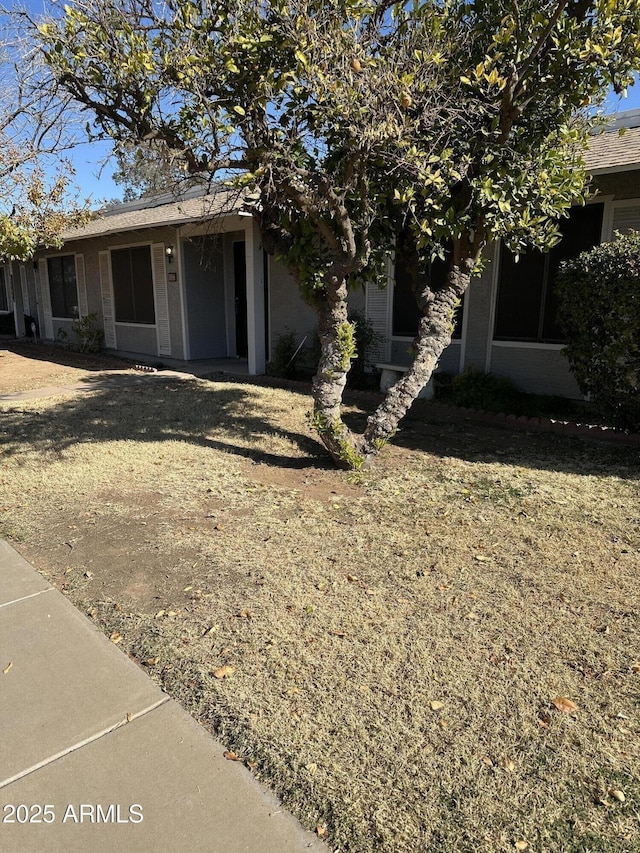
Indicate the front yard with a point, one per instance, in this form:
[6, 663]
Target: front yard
[392, 656]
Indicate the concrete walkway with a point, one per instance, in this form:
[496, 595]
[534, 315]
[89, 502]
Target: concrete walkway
[94, 756]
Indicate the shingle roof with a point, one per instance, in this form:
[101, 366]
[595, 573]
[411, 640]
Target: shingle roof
[611, 151]
[175, 213]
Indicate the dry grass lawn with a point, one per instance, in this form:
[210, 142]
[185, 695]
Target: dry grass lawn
[393, 647]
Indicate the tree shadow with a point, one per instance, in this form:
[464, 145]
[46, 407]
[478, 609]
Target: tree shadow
[238, 419]
[235, 419]
[460, 437]
[66, 358]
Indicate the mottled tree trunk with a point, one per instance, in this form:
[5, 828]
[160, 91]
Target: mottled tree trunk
[337, 351]
[350, 450]
[434, 336]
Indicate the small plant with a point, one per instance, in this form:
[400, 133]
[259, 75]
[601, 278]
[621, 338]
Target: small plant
[285, 356]
[366, 338]
[88, 334]
[476, 390]
[62, 338]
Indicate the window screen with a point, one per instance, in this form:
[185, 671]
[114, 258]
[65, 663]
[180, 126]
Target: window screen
[406, 315]
[4, 299]
[527, 305]
[133, 285]
[62, 286]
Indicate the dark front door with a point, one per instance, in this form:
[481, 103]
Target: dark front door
[240, 282]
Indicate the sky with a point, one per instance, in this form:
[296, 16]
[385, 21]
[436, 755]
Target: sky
[95, 181]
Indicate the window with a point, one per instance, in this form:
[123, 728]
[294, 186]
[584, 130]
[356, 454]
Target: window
[527, 306]
[406, 315]
[4, 297]
[62, 286]
[133, 285]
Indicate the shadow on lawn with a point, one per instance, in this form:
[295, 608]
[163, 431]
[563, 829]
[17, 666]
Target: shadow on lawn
[66, 358]
[154, 410]
[237, 418]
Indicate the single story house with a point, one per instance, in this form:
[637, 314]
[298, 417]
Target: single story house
[507, 325]
[173, 281]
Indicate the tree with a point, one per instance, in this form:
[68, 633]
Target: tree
[600, 310]
[35, 203]
[147, 170]
[353, 120]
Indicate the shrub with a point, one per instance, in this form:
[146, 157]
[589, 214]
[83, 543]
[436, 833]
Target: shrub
[88, 334]
[473, 389]
[599, 300]
[285, 354]
[366, 337]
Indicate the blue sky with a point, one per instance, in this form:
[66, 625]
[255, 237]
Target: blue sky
[94, 180]
[99, 186]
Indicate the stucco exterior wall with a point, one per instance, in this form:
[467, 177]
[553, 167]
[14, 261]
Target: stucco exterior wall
[131, 338]
[535, 370]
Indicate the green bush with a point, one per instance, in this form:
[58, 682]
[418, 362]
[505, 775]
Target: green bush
[366, 337]
[473, 389]
[284, 357]
[599, 311]
[88, 334]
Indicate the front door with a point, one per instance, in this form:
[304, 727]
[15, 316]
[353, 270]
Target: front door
[240, 285]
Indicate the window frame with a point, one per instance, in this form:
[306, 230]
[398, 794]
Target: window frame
[133, 324]
[540, 342]
[48, 260]
[4, 288]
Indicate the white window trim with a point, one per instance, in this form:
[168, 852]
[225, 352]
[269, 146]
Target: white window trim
[528, 345]
[135, 325]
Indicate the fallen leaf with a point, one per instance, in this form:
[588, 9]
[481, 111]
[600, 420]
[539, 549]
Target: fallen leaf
[521, 845]
[218, 527]
[150, 661]
[436, 705]
[352, 578]
[481, 558]
[8, 667]
[88, 574]
[507, 764]
[224, 671]
[160, 614]
[565, 705]
[187, 588]
[115, 637]
[486, 760]
[617, 794]
[635, 667]
[338, 633]
[128, 716]
[321, 829]
[231, 756]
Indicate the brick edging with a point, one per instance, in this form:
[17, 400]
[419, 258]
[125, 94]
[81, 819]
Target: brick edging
[589, 432]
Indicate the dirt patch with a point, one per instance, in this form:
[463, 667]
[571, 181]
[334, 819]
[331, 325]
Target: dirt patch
[397, 644]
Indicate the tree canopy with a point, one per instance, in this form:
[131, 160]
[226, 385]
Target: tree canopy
[350, 121]
[35, 202]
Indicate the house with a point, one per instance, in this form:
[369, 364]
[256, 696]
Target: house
[169, 281]
[508, 323]
[173, 281]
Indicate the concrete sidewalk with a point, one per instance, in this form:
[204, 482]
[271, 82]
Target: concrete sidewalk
[94, 756]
